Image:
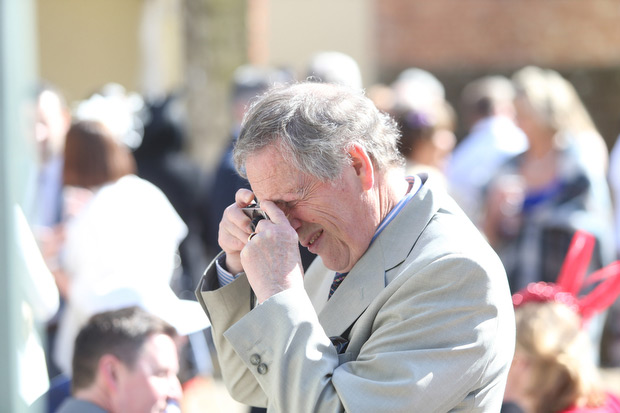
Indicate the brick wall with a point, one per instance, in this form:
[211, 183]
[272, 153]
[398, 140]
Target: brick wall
[498, 33]
[459, 40]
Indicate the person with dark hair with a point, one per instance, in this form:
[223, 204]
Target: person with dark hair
[488, 114]
[406, 308]
[427, 138]
[161, 159]
[93, 156]
[124, 360]
[122, 238]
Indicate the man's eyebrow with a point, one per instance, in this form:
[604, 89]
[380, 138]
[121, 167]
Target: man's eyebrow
[283, 200]
[288, 197]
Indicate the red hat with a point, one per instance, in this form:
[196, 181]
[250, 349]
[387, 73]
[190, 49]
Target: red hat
[572, 279]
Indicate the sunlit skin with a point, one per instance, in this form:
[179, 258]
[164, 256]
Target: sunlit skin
[52, 123]
[149, 384]
[335, 220]
[539, 135]
[540, 163]
[519, 377]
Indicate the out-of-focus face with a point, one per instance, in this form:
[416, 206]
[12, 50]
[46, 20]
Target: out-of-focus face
[152, 382]
[519, 377]
[444, 141]
[52, 124]
[530, 122]
[334, 220]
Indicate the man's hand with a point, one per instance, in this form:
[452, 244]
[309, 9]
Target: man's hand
[235, 228]
[271, 259]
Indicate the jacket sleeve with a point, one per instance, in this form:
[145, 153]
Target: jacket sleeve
[224, 307]
[428, 344]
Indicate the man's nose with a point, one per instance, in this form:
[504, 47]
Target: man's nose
[295, 222]
[290, 215]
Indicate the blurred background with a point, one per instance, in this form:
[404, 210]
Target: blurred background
[158, 46]
[191, 48]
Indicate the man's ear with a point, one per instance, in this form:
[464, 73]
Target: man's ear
[360, 160]
[108, 370]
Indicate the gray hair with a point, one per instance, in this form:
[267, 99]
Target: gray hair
[314, 125]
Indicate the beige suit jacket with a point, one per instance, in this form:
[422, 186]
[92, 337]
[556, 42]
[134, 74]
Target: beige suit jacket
[431, 315]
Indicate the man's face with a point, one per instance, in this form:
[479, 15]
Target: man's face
[153, 381]
[331, 219]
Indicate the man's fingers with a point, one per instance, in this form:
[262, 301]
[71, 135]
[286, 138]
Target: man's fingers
[275, 214]
[236, 223]
[244, 197]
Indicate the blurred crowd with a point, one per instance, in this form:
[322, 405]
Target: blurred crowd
[120, 214]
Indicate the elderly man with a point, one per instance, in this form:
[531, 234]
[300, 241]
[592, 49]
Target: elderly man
[125, 361]
[406, 309]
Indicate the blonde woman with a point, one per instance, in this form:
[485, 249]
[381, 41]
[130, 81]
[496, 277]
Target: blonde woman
[541, 197]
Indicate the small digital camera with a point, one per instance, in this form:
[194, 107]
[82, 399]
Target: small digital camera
[256, 214]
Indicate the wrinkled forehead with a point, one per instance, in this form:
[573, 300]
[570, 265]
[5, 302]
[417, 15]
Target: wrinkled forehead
[272, 176]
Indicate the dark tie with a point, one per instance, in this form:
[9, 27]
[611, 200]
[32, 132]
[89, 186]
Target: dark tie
[336, 283]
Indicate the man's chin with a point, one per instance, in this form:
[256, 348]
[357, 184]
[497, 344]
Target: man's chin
[333, 266]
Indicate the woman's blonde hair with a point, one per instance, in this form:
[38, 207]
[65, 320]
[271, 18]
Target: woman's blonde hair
[556, 347]
[553, 98]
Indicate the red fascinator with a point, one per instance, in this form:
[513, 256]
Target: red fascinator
[572, 280]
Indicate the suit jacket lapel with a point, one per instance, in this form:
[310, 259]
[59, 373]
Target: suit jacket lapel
[361, 286]
[401, 235]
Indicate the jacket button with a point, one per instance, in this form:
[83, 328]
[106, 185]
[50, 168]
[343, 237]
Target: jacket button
[262, 368]
[255, 359]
